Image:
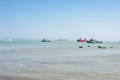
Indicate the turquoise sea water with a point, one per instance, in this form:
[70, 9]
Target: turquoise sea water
[60, 60]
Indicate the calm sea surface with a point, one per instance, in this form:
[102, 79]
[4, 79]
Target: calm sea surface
[60, 60]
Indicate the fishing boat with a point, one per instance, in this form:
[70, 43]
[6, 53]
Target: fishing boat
[44, 40]
[81, 40]
[93, 41]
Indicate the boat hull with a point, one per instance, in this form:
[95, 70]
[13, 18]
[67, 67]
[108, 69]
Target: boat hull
[94, 41]
[81, 40]
[44, 40]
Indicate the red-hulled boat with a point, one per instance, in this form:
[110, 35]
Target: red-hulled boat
[81, 40]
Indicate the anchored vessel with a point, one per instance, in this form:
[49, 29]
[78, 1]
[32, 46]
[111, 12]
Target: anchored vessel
[81, 40]
[44, 40]
[93, 41]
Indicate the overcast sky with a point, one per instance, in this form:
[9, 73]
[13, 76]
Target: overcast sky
[56, 19]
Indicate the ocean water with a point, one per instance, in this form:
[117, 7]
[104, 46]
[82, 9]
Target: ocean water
[59, 60]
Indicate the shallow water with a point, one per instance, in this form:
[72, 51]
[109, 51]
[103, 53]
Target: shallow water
[59, 60]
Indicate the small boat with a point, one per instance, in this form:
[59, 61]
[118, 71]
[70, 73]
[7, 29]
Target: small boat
[101, 47]
[89, 46]
[93, 41]
[10, 40]
[7, 39]
[111, 46]
[81, 40]
[44, 40]
[62, 39]
[80, 46]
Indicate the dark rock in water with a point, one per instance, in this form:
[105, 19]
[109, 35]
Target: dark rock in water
[101, 47]
[80, 46]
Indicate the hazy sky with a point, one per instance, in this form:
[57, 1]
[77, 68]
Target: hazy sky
[54, 19]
